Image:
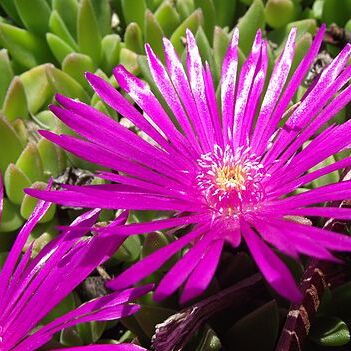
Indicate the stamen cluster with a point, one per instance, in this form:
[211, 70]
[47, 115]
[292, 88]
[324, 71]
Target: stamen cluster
[231, 181]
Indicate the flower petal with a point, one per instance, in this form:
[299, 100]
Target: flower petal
[151, 263]
[177, 275]
[228, 85]
[246, 79]
[119, 347]
[275, 272]
[202, 275]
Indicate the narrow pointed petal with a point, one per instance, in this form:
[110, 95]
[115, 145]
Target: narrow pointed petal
[254, 97]
[274, 89]
[151, 263]
[181, 83]
[246, 78]
[148, 227]
[326, 238]
[142, 95]
[291, 89]
[14, 254]
[202, 275]
[273, 269]
[197, 84]
[112, 135]
[295, 242]
[228, 85]
[168, 92]
[329, 212]
[119, 347]
[115, 100]
[111, 200]
[212, 104]
[106, 158]
[178, 274]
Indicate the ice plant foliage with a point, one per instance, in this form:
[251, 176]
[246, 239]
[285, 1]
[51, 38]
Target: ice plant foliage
[31, 287]
[227, 170]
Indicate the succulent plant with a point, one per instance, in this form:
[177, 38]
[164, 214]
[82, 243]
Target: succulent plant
[47, 45]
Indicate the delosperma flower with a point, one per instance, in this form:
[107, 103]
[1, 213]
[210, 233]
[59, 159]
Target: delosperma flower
[228, 170]
[31, 287]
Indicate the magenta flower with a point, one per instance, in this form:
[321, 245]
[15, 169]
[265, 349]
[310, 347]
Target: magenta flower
[225, 169]
[31, 287]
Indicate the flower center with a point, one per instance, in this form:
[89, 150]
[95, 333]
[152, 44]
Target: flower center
[231, 182]
[231, 177]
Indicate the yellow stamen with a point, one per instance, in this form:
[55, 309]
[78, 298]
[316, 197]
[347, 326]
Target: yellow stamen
[228, 178]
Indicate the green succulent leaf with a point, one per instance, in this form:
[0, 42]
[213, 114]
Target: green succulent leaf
[10, 142]
[6, 74]
[35, 15]
[102, 11]
[110, 46]
[101, 107]
[40, 236]
[249, 24]
[225, 12]
[58, 27]
[303, 26]
[302, 46]
[27, 49]
[152, 242]
[129, 251]
[89, 38]
[91, 332]
[66, 305]
[53, 158]
[15, 104]
[133, 11]
[29, 203]
[58, 47]
[220, 44]
[129, 59]
[68, 10]
[37, 88]
[15, 181]
[193, 22]
[76, 65]
[153, 4]
[204, 47]
[46, 119]
[330, 331]
[29, 162]
[62, 83]
[11, 218]
[21, 131]
[317, 9]
[70, 337]
[279, 13]
[209, 14]
[338, 14]
[185, 8]
[10, 8]
[167, 17]
[154, 34]
[133, 38]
